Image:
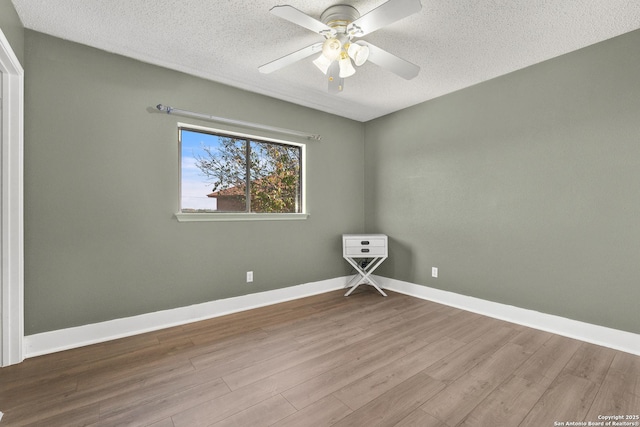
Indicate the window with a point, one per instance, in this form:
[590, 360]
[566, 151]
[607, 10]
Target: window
[229, 173]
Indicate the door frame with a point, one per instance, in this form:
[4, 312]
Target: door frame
[12, 207]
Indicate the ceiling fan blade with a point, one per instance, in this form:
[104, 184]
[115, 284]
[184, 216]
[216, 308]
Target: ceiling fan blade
[389, 61]
[385, 14]
[291, 58]
[336, 83]
[292, 14]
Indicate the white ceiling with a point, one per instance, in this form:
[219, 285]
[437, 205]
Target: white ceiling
[457, 43]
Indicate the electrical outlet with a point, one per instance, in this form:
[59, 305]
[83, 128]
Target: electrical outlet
[249, 276]
[434, 272]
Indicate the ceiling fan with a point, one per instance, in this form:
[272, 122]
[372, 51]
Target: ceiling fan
[340, 25]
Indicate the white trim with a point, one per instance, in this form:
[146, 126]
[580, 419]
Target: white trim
[11, 212]
[201, 217]
[599, 335]
[64, 339]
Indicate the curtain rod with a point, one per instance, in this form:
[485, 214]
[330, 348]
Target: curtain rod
[171, 110]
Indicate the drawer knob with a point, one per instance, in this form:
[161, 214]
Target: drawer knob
[365, 251]
[364, 242]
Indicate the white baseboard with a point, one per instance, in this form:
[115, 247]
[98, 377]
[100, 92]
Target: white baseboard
[64, 339]
[599, 335]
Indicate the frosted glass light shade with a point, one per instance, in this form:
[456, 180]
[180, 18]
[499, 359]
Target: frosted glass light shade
[359, 53]
[331, 48]
[323, 63]
[346, 69]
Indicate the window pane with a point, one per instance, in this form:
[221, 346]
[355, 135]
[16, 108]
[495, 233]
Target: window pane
[214, 172]
[275, 178]
[222, 173]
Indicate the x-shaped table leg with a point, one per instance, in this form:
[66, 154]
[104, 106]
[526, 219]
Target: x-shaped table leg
[365, 274]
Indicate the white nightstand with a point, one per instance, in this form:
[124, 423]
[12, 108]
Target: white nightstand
[365, 252]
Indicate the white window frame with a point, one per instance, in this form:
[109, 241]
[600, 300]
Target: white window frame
[241, 216]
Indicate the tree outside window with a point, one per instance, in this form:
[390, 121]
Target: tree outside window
[224, 173]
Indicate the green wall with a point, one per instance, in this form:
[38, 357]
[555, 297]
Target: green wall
[523, 190]
[12, 28]
[101, 188]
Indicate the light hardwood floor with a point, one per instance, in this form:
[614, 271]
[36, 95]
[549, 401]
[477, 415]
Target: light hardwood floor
[327, 360]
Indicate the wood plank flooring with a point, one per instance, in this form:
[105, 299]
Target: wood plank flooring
[327, 360]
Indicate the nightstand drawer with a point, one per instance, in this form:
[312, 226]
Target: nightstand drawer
[365, 242]
[364, 245]
[366, 251]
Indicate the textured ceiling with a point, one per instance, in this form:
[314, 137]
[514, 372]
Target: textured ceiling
[456, 43]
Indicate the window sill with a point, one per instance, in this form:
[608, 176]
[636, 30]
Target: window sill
[204, 217]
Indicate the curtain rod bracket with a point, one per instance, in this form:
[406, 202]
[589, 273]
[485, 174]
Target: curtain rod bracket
[170, 110]
[163, 108]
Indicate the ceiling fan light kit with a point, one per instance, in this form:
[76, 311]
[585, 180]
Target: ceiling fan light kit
[331, 48]
[323, 63]
[346, 69]
[359, 53]
[339, 25]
